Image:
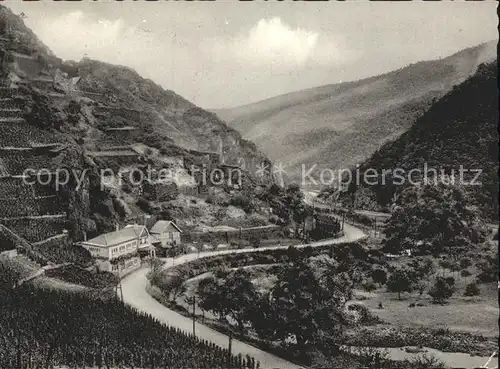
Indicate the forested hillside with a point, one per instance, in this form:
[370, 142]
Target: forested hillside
[458, 130]
[336, 126]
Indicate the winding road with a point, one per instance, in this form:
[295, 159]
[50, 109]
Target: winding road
[135, 295]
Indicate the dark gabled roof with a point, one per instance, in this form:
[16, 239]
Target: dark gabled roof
[128, 233]
[161, 225]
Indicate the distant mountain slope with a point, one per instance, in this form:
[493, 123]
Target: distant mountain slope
[116, 96]
[461, 129]
[336, 126]
[163, 112]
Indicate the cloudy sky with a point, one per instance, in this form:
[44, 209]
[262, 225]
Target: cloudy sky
[225, 53]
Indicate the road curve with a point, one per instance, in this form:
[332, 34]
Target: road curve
[135, 295]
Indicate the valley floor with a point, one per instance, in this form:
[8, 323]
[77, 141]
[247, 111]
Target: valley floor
[477, 315]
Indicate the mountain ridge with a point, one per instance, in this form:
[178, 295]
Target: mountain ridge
[351, 119]
[459, 131]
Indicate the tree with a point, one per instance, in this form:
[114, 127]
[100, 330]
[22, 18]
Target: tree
[8, 277]
[472, 289]
[465, 273]
[442, 289]
[420, 287]
[155, 264]
[229, 294]
[301, 308]
[174, 285]
[369, 286]
[330, 277]
[465, 263]
[379, 275]
[287, 204]
[209, 297]
[432, 217]
[401, 280]
[489, 268]
[239, 298]
[423, 267]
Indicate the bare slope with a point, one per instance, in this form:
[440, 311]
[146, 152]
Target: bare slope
[339, 125]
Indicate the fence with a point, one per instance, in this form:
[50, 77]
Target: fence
[236, 235]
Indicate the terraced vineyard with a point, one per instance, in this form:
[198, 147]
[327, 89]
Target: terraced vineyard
[42, 328]
[36, 229]
[15, 162]
[30, 209]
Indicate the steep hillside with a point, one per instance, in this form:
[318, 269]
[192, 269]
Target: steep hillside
[458, 130]
[336, 126]
[150, 107]
[89, 116]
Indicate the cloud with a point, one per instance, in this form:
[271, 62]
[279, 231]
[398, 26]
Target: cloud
[273, 43]
[205, 68]
[71, 35]
[153, 55]
[74, 35]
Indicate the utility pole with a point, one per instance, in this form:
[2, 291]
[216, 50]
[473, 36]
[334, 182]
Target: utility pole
[192, 301]
[194, 315]
[119, 287]
[229, 348]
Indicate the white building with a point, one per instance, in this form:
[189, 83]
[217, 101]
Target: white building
[166, 233]
[118, 252]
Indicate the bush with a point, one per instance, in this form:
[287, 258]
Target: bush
[368, 285]
[76, 275]
[379, 276]
[489, 268]
[144, 205]
[120, 207]
[472, 289]
[242, 202]
[401, 280]
[465, 273]
[465, 263]
[442, 290]
[448, 264]
[255, 242]
[424, 362]
[365, 315]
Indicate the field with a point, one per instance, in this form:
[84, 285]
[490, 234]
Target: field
[478, 315]
[460, 325]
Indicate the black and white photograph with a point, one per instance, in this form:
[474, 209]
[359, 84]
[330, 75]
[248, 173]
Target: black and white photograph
[227, 184]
